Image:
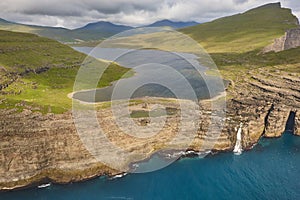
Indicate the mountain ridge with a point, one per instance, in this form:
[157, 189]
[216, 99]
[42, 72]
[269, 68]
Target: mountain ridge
[253, 29]
[89, 32]
[172, 24]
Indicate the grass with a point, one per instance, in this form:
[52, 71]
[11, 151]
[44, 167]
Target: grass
[244, 32]
[22, 52]
[25, 54]
[233, 42]
[153, 113]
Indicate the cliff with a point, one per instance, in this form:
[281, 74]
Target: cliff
[290, 40]
[36, 147]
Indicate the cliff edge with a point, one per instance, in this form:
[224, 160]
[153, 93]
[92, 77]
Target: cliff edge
[291, 39]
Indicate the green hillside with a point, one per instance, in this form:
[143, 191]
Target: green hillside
[249, 31]
[24, 51]
[40, 72]
[235, 42]
[60, 34]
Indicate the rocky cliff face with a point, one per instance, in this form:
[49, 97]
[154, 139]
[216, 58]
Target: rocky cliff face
[297, 123]
[290, 40]
[36, 147]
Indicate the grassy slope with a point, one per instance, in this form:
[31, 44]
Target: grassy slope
[22, 55]
[245, 32]
[21, 51]
[235, 42]
[60, 34]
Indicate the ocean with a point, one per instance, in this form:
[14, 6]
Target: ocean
[271, 170]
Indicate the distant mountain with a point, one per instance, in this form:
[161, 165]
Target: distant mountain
[107, 26]
[3, 21]
[172, 24]
[92, 31]
[101, 29]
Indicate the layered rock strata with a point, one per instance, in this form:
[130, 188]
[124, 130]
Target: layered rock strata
[36, 148]
[291, 39]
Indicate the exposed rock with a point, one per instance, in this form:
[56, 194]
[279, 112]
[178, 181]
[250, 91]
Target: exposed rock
[290, 40]
[297, 123]
[35, 146]
[144, 122]
[276, 120]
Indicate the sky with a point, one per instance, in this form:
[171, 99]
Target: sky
[76, 13]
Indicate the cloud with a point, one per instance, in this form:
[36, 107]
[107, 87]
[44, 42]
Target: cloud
[240, 1]
[76, 13]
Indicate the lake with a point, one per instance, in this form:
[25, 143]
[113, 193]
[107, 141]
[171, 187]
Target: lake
[157, 74]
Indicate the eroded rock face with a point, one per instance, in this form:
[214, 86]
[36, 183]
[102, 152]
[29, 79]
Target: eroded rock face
[35, 146]
[290, 40]
[263, 103]
[276, 120]
[297, 123]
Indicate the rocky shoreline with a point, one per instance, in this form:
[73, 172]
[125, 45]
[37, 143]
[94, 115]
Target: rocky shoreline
[37, 148]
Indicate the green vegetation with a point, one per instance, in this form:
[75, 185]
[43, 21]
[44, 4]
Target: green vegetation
[21, 52]
[60, 34]
[153, 113]
[40, 72]
[235, 43]
[245, 32]
[43, 72]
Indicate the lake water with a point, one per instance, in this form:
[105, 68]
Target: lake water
[158, 74]
[269, 171]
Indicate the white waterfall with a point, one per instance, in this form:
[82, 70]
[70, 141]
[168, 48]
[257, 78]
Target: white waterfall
[238, 145]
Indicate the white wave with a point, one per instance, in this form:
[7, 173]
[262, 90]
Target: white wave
[44, 185]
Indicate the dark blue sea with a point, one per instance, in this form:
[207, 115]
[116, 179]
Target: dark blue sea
[271, 170]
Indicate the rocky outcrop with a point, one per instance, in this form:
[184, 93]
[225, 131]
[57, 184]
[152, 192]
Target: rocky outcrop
[290, 40]
[297, 123]
[276, 120]
[36, 148]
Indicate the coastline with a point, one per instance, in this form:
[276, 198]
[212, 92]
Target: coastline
[36, 181]
[263, 104]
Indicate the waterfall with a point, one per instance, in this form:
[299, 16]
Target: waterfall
[238, 145]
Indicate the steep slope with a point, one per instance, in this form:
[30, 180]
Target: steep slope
[41, 71]
[24, 52]
[248, 31]
[290, 40]
[60, 34]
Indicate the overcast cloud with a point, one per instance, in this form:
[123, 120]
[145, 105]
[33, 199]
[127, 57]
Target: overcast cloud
[76, 13]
